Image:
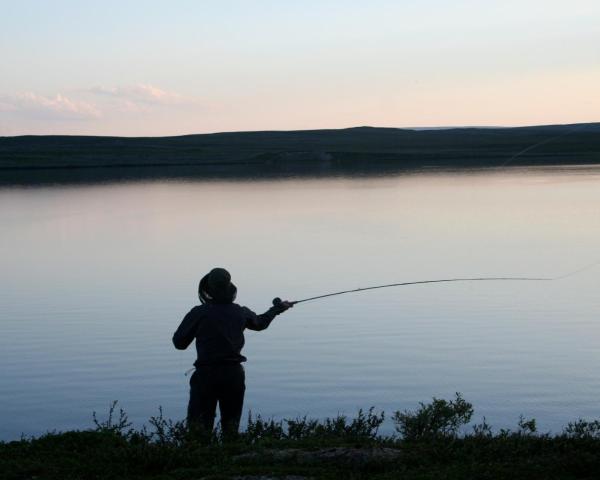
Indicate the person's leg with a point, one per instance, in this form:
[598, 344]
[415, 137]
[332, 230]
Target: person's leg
[203, 400]
[231, 398]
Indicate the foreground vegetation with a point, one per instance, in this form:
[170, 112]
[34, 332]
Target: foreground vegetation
[434, 441]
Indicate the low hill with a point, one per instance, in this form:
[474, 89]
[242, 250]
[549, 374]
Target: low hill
[361, 148]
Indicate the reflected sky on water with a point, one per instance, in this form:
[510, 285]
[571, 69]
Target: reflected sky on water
[96, 278]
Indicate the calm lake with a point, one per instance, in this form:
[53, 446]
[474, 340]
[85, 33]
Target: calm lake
[95, 279]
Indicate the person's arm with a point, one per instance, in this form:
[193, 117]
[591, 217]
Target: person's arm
[186, 332]
[262, 321]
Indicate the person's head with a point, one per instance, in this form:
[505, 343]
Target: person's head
[216, 287]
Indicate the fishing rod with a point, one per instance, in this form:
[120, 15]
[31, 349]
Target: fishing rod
[277, 301]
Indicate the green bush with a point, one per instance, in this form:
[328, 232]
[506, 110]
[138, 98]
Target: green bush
[433, 444]
[365, 426]
[582, 429]
[440, 418]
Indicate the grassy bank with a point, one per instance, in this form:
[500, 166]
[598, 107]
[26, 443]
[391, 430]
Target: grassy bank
[436, 440]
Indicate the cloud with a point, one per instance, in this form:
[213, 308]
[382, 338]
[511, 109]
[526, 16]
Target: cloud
[142, 95]
[59, 106]
[89, 108]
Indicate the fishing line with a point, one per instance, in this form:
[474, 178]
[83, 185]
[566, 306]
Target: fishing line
[544, 141]
[277, 301]
[575, 272]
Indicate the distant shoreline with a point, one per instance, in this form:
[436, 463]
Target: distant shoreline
[362, 150]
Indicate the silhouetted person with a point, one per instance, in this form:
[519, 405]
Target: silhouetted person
[218, 328]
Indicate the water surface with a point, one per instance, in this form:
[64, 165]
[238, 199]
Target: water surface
[95, 279]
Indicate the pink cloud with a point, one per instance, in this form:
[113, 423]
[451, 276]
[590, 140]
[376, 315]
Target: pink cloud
[59, 106]
[91, 109]
[143, 93]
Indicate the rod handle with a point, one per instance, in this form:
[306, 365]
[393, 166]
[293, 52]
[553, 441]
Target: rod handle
[277, 302]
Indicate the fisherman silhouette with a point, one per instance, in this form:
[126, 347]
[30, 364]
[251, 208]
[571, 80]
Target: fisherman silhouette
[218, 328]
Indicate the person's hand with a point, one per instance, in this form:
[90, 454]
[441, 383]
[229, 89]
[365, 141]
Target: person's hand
[284, 305]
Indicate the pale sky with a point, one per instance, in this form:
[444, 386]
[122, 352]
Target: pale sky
[182, 66]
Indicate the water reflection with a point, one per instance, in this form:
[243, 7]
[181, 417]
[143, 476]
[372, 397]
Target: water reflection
[96, 277]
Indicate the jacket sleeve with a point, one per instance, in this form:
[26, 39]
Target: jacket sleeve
[262, 321]
[185, 334]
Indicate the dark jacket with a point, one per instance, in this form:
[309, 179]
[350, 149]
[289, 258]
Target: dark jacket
[219, 331]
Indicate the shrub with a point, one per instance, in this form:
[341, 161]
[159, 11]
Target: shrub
[166, 431]
[582, 429]
[483, 430]
[365, 426]
[120, 425]
[440, 418]
[527, 427]
[259, 429]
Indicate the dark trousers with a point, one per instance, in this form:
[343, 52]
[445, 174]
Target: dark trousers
[222, 384]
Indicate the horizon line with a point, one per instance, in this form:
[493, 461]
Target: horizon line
[427, 128]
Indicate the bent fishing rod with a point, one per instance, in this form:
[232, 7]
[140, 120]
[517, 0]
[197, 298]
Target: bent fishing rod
[277, 301]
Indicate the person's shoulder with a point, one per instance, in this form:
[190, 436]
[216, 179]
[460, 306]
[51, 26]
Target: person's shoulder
[197, 310]
[241, 308]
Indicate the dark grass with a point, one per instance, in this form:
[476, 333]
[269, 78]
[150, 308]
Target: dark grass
[434, 441]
